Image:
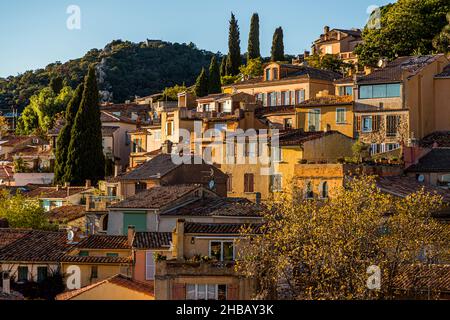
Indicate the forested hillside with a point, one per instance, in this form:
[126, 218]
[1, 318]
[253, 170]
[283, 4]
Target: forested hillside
[125, 69]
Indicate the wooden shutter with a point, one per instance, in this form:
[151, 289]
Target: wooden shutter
[376, 123]
[358, 123]
[251, 183]
[246, 187]
[179, 291]
[232, 292]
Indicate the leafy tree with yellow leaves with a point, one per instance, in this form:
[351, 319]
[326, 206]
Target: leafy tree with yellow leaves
[322, 249]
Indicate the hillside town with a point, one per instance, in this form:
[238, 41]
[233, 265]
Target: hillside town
[169, 196]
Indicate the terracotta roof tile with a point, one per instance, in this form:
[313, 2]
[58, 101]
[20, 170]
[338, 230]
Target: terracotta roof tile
[437, 160]
[442, 138]
[402, 186]
[66, 214]
[154, 168]
[431, 277]
[46, 247]
[217, 207]
[152, 240]
[298, 136]
[54, 192]
[120, 280]
[157, 197]
[99, 241]
[393, 72]
[218, 228]
[95, 259]
[8, 236]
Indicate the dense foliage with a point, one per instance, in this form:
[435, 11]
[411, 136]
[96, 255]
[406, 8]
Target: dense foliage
[407, 27]
[23, 212]
[126, 69]
[214, 84]
[201, 85]
[85, 159]
[322, 248]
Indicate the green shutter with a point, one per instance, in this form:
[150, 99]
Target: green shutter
[84, 253]
[22, 274]
[136, 219]
[42, 274]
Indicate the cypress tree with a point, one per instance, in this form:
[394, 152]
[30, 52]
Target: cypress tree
[234, 48]
[201, 85]
[56, 84]
[63, 140]
[277, 45]
[85, 158]
[253, 51]
[223, 67]
[214, 85]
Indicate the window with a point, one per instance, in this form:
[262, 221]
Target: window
[221, 250]
[276, 182]
[288, 124]
[22, 274]
[340, 115]
[367, 124]
[169, 128]
[346, 91]
[264, 99]
[300, 96]
[230, 183]
[112, 255]
[392, 123]
[275, 73]
[324, 190]
[329, 49]
[249, 183]
[83, 253]
[286, 98]
[268, 74]
[206, 292]
[42, 274]
[46, 205]
[272, 99]
[94, 272]
[137, 145]
[379, 91]
[314, 120]
[140, 187]
[149, 265]
[309, 193]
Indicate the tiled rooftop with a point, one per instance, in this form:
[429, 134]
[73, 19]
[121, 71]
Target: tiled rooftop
[217, 207]
[157, 197]
[66, 214]
[99, 241]
[437, 160]
[402, 186]
[298, 136]
[152, 240]
[154, 168]
[8, 236]
[95, 259]
[326, 101]
[424, 278]
[218, 228]
[393, 72]
[442, 138]
[54, 192]
[46, 247]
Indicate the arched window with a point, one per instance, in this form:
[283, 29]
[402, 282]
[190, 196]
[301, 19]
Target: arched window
[323, 190]
[105, 223]
[309, 194]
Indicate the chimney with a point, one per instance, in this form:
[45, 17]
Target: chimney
[6, 283]
[326, 29]
[117, 169]
[88, 184]
[131, 233]
[179, 238]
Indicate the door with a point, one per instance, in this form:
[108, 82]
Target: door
[149, 266]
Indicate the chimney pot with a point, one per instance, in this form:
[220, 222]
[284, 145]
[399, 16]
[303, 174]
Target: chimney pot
[131, 233]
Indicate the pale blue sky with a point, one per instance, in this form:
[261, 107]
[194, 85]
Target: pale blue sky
[34, 33]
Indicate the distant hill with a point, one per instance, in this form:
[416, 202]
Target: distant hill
[125, 69]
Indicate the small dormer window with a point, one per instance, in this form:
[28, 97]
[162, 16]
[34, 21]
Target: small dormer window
[268, 74]
[275, 73]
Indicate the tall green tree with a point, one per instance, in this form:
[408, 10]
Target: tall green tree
[253, 51]
[201, 85]
[234, 48]
[56, 84]
[63, 140]
[214, 84]
[223, 66]
[277, 52]
[85, 159]
[408, 27]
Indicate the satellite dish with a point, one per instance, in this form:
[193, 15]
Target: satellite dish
[70, 235]
[421, 178]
